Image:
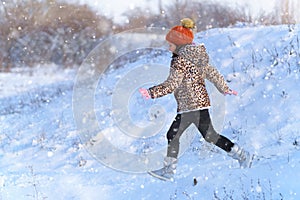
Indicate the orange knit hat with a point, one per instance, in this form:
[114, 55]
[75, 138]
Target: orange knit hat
[180, 35]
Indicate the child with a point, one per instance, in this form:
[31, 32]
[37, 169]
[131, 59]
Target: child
[189, 68]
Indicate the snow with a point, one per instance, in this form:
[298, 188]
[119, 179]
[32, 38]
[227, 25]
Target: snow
[42, 155]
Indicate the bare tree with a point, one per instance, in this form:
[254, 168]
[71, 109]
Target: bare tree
[47, 31]
[287, 12]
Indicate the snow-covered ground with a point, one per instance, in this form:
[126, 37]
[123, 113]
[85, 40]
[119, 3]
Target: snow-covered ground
[43, 157]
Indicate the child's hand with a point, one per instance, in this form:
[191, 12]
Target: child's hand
[144, 92]
[231, 92]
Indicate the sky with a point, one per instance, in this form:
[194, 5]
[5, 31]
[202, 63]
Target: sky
[115, 8]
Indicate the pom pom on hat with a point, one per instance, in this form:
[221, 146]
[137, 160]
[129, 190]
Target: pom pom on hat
[180, 35]
[188, 23]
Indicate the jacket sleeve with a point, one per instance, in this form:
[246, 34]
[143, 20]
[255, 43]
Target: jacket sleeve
[213, 75]
[171, 83]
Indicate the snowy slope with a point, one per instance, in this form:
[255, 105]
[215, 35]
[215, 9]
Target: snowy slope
[42, 156]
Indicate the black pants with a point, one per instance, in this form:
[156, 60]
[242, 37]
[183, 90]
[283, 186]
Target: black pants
[202, 121]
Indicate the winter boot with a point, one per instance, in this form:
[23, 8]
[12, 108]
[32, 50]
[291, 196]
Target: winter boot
[167, 172]
[241, 155]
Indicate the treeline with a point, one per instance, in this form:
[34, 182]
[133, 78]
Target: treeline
[48, 32]
[37, 32]
[209, 14]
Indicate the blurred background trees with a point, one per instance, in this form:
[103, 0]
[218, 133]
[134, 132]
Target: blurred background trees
[210, 14]
[52, 31]
[48, 32]
[288, 11]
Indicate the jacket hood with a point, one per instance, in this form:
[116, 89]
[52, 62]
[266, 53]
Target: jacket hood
[196, 54]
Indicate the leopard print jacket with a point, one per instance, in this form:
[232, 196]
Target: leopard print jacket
[186, 78]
